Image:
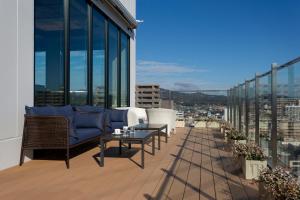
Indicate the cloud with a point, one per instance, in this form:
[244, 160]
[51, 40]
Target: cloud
[185, 86]
[145, 66]
[176, 76]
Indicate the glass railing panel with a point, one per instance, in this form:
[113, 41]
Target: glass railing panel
[243, 108]
[251, 100]
[265, 114]
[288, 117]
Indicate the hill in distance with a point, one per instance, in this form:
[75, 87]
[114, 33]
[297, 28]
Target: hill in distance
[192, 98]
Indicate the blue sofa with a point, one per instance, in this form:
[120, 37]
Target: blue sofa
[64, 127]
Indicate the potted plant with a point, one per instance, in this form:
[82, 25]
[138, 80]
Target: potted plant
[253, 161]
[278, 184]
[239, 150]
[235, 137]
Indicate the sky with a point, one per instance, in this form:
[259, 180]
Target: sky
[213, 44]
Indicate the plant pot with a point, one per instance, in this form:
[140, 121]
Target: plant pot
[222, 130]
[263, 193]
[252, 168]
[225, 137]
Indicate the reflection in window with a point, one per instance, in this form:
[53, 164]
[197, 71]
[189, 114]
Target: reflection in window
[124, 70]
[49, 52]
[113, 66]
[78, 52]
[98, 59]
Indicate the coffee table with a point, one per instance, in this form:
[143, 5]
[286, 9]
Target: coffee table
[156, 127]
[138, 137]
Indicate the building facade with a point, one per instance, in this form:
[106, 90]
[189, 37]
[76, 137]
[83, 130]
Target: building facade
[147, 96]
[63, 52]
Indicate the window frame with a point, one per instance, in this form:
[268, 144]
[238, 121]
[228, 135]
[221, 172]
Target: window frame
[91, 8]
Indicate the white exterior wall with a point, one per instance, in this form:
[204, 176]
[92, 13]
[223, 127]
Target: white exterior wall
[17, 71]
[16, 77]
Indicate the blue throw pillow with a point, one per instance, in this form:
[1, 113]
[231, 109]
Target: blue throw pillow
[89, 120]
[115, 119]
[118, 115]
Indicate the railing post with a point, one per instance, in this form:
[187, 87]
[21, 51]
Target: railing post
[234, 107]
[256, 108]
[247, 108]
[230, 97]
[228, 106]
[240, 107]
[274, 114]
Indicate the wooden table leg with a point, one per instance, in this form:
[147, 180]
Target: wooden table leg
[158, 134]
[153, 144]
[120, 147]
[102, 146]
[166, 134]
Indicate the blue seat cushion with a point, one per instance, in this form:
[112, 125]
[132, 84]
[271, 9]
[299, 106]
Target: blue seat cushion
[89, 120]
[84, 134]
[88, 108]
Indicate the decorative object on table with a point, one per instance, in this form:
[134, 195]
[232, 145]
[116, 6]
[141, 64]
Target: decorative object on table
[132, 129]
[278, 184]
[252, 159]
[117, 131]
[125, 129]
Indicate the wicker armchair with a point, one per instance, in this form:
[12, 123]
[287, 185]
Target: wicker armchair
[48, 132]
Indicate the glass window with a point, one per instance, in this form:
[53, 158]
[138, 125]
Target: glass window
[98, 59]
[78, 52]
[124, 70]
[112, 66]
[49, 52]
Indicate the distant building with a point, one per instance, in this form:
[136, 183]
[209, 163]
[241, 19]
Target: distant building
[180, 114]
[166, 103]
[293, 113]
[148, 96]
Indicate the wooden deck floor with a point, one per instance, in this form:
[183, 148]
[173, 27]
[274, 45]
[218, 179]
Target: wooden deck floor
[193, 165]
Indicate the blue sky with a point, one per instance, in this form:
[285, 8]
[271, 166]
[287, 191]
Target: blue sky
[213, 44]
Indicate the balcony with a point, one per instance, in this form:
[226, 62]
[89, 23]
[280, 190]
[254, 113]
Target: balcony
[194, 164]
